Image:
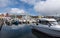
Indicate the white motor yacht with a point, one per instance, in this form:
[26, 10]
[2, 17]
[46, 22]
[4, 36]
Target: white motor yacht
[48, 26]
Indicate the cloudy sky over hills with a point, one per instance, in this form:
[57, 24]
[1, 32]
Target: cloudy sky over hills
[33, 7]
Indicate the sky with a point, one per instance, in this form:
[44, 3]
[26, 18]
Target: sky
[32, 7]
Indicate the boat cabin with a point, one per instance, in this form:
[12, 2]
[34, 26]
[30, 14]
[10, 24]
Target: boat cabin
[48, 21]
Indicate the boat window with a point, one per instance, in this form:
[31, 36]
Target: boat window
[53, 23]
[44, 22]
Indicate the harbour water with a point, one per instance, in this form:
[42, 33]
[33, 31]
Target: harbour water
[36, 34]
[33, 34]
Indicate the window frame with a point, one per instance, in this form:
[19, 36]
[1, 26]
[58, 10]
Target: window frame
[44, 22]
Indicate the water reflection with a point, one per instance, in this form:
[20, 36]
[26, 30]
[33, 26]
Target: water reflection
[14, 32]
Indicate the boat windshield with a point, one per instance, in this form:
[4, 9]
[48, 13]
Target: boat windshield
[53, 23]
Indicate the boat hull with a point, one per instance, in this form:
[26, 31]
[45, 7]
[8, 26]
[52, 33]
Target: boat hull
[48, 31]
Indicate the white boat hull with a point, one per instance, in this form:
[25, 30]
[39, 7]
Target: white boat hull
[48, 31]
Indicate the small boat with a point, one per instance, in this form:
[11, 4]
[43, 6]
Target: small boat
[48, 26]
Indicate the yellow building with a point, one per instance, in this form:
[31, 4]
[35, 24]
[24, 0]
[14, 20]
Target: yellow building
[40, 16]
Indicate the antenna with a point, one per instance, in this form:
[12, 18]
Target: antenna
[56, 14]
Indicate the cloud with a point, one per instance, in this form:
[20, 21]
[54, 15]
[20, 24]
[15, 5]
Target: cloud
[4, 3]
[48, 7]
[29, 1]
[16, 11]
[32, 2]
[44, 7]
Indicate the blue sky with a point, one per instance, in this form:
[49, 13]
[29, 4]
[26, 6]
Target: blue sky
[8, 4]
[33, 7]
